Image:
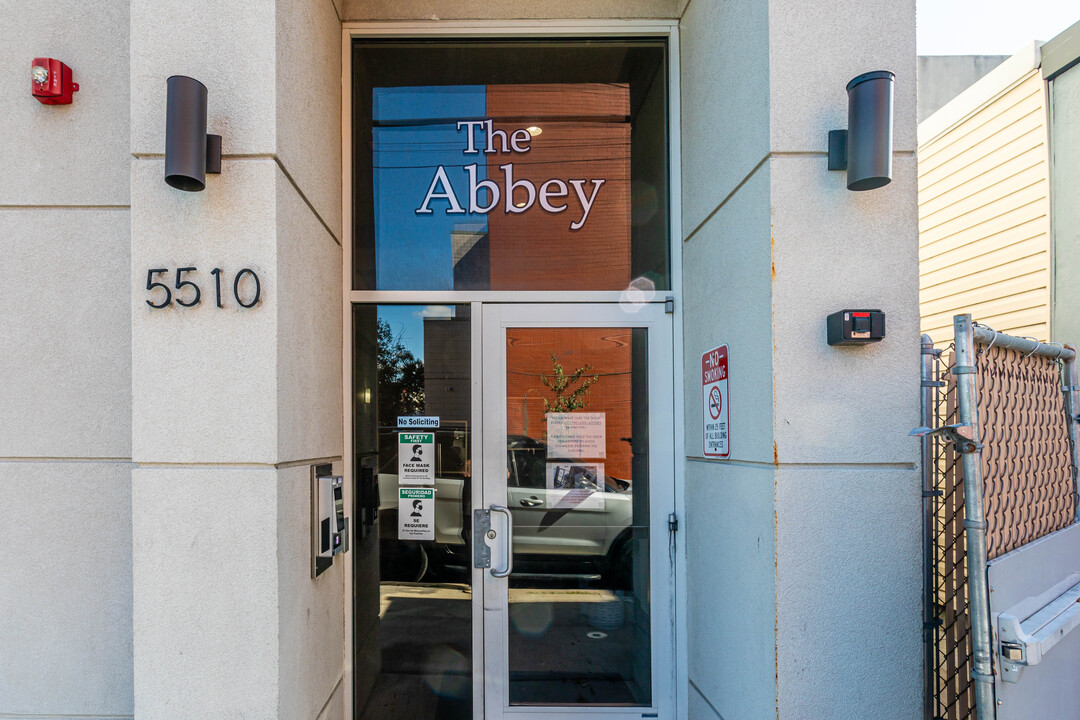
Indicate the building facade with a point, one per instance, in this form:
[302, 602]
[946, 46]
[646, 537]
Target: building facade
[1060, 58]
[984, 204]
[997, 225]
[180, 368]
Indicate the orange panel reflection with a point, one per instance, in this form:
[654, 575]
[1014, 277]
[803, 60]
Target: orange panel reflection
[606, 355]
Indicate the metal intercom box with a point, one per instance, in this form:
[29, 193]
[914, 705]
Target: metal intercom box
[329, 526]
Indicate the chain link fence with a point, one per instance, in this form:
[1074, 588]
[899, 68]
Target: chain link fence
[1019, 430]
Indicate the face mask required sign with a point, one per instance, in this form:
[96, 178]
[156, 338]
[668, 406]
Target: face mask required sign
[416, 513]
[715, 431]
[416, 458]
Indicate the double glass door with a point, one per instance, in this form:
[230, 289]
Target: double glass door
[545, 586]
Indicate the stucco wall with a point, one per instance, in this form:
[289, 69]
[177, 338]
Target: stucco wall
[65, 344]
[231, 406]
[810, 530]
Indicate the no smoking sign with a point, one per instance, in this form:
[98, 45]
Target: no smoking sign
[715, 435]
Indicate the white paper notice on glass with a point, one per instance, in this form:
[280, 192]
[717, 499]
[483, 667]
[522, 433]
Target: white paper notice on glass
[576, 435]
[575, 485]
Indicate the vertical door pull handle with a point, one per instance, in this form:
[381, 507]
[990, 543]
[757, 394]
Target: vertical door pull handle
[509, 542]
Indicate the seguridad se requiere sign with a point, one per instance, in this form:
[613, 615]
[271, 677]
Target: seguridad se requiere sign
[715, 429]
[416, 513]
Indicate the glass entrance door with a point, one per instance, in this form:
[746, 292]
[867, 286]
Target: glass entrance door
[553, 423]
[578, 469]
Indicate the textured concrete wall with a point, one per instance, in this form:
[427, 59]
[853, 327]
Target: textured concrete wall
[1065, 205]
[65, 418]
[810, 531]
[727, 259]
[231, 406]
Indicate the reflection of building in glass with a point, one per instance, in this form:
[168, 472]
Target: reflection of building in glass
[584, 135]
[607, 350]
[447, 390]
[470, 253]
[577, 162]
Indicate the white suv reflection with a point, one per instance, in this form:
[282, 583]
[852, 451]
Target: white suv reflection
[576, 525]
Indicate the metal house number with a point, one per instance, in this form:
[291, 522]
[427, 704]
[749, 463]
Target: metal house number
[246, 289]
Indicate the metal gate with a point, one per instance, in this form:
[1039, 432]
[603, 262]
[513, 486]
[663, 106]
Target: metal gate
[1000, 473]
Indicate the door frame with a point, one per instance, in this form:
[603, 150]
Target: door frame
[567, 28]
[492, 603]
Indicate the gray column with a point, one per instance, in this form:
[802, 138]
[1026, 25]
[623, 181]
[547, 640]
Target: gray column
[232, 405]
[809, 535]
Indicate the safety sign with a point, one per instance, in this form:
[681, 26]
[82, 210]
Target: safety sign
[715, 433]
[416, 513]
[416, 458]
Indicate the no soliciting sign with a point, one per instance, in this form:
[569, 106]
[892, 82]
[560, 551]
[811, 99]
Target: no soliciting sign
[714, 398]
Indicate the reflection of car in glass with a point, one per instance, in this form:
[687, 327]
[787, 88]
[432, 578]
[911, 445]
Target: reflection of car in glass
[580, 527]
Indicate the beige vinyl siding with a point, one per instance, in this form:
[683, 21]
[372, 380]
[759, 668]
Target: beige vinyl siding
[984, 232]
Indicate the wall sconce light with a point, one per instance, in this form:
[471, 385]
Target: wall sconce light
[189, 152]
[50, 82]
[865, 148]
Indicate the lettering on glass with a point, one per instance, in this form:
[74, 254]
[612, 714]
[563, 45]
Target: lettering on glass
[553, 196]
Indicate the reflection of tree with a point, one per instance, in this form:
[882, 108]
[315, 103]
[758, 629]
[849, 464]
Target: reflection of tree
[400, 376]
[567, 397]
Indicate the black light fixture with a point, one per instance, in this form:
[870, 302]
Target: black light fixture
[189, 152]
[865, 148]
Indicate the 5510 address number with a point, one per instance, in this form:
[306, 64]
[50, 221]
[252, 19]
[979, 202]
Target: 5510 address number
[246, 293]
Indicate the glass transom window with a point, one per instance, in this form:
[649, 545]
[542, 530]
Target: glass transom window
[510, 166]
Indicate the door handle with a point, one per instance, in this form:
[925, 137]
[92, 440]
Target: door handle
[509, 542]
[531, 502]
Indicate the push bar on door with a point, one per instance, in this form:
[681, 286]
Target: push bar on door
[1026, 636]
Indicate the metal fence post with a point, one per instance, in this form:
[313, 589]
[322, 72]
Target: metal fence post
[1072, 407]
[929, 386]
[974, 520]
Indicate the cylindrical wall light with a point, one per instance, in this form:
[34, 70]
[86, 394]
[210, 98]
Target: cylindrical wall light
[189, 152]
[865, 148]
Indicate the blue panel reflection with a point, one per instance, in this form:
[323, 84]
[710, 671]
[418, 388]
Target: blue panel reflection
[415, 132]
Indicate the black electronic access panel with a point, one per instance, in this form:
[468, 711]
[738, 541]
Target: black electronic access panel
[856, 327]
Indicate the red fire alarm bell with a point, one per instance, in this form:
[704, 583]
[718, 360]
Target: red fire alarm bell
[50, 81]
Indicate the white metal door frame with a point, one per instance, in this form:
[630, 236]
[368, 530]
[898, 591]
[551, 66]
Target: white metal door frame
[495, 319]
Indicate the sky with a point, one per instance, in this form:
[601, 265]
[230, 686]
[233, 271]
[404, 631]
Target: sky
[407, 323]
[989, 27]
[417, 135]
